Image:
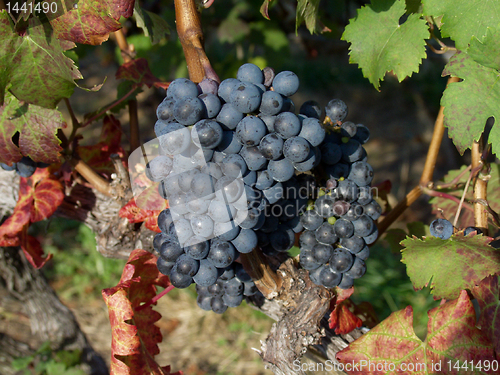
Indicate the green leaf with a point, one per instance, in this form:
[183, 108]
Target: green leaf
[152, 24]
[34, 67]
[22, 363]
[264, 9]
[413, 6]
[487, 51]
[379, 44]
[37, 127]
[307, 10]
[468, 104]
[452, 335]
[452, 265]
[464, 19]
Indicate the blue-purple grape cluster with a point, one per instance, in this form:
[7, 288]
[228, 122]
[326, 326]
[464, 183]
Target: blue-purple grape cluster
[236, 166]
[24, 167]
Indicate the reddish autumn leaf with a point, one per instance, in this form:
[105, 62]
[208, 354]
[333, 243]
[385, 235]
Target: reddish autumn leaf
[150, 198]
[341, 318]
[152, 222]
[135, 337]
[138, 71]
[33, 250]
[136, 214]
[98, 156]
[393, 348]
[12, 227]
[90, 21]
[487, 296]
[47, 195]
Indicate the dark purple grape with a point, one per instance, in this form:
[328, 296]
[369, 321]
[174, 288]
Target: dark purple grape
[336, 110]
[341, 260]
[325, 234]
[271, 146]
[343, 228]
[311, 108]
[321, 253]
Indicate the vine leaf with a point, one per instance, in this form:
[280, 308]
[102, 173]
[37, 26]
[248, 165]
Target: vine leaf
[91, 21]
[39, 197]
[135, 213]
[341, 318]
[134, 336]
[468, 104]
[264, 9]
[487, 51]
[379, 44]
[460, 262]
[307, 10]
[34, 67]
[487, 295]
[463, 19]
[451, 335]
[98, 156]
[152, 24]
[138, 71]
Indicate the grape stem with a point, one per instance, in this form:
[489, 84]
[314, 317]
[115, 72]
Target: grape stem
[99, 183]
[471, 174]
[480, 187]
[155, 298]
[128, 53]
[426, 178]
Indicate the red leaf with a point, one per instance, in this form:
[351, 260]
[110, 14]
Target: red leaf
[137, 71]
[98, 155]
[135, 210]
[341, 318]
[393, 348]
[33, 250]
[487, 295]
[47, 196]
[135, 338]
[12, 227]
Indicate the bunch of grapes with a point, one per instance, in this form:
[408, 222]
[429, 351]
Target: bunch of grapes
[241, 170]
[24, 167]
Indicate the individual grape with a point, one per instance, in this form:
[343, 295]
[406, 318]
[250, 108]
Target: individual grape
[187, 265]
[170, 250]
[228, 189]
[26, 167]
[328, 278]
[271, 146]
[270, 225]
[229, 143]
[364, 254]
[169, 186]
[363, 226]
[346, 282]
[348, 129]
[340, 208]
[271, 103]
[212, 169]
[250, 73]
[288, 105]
[357, 270]
[174, 138]
[218, 305]
[331, 153]
[372, 237]
[326, 235]
[296, 149]
[470, 230]
[233, 165]
[164, 266]
[182, 88]
[250, 177]
[226, 87]
[365, 195]
[343, 228]
[307, 239]
[361, 173]
[229, 117]
[233, 287]
[269, 121]
[247, 219]
[250, 131]
[312, 131]
[249, 288]
[321, 253]
[351, 151]
[183, 230]
[226, 231]
[232, 301]
[341, 260]
[206, 134]
[286, 83]
[221, 253]
[207, 273]
[197, 247]
[253, 158]
[165, 110]
[264, 180]
[354, 244]
[337, 171]
[311, 161]
[202, 225]
[178, 279]
[178, 204]
[212, 105]
[208, 86]
[311, 220]
[282, 239]
[183, 162]
[295, 224]
[185, 179]
[281, 170]
[347, 190]
[274, 193]
[246, 241]
[158, 240]
[307, 260]
[195, 205]
[311, 108]
[221, 212]
[355, 212]
[287, 125]
[203, 186]
[204, 302]
[246, 97]
[188, 111]
[362, 134]
[373, 209]
[164, 220]
[324, 206]
[441, 228]
[336, 110]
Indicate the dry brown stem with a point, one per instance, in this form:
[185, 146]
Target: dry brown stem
[480, 188]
